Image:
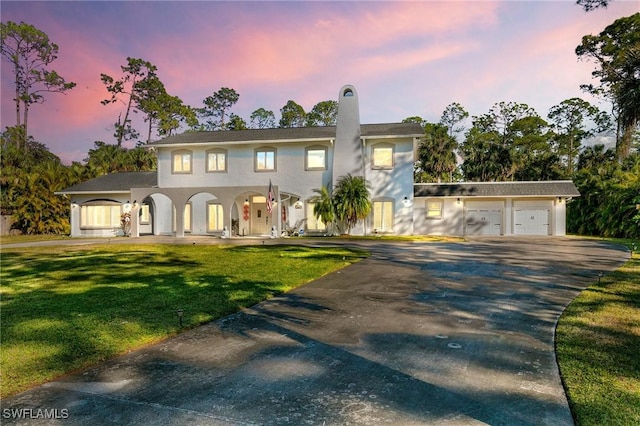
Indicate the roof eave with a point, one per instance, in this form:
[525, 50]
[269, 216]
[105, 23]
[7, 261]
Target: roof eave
[245, 142]
[87, 192]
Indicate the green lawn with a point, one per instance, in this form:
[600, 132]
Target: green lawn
[64, 308]
[598, 349]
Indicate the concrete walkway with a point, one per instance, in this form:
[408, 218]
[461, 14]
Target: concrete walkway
[455, 333]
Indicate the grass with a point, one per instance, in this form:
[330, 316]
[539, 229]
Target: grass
[598, 349]
[64, 308]
[14, 239]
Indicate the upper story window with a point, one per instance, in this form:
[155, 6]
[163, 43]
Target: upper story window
[181, 161]
[265, 159]
[382, 156]
[216, 160]
[315, 158]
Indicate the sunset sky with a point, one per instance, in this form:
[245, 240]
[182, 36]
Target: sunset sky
[404, 58]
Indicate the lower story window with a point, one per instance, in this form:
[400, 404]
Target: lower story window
[215, 217]
[313, 223]
[100, 216]
[145, 214]
[434, 209]
[383, 216]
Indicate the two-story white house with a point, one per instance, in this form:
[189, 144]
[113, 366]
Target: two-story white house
[261, 182]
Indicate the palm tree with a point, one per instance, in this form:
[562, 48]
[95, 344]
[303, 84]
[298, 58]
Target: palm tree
[351, 200]
[323, 208]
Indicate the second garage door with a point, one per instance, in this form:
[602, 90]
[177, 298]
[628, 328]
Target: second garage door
[531, 221]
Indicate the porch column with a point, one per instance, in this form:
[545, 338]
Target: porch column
[278, 221]
[179, 220]
[134, 232]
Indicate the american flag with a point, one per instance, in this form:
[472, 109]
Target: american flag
[270, 198]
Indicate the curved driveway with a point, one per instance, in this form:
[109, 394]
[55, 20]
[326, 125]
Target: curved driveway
[455, 333]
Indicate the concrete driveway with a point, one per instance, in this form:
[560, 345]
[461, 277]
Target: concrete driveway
[456, 333]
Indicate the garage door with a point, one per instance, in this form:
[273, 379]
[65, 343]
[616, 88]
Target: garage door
[531, 221]
[483, 222]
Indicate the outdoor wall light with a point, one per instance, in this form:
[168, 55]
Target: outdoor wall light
[135, 204]
[458, 201]
[126, 207]
[559, 200]
[74, 205]
[406, 201]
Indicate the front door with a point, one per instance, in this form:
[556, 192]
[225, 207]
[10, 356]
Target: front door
[260, 218]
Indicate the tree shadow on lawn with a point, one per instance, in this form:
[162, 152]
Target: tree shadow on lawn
[89, 313]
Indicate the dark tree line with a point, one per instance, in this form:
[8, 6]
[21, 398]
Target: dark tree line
[509, 142]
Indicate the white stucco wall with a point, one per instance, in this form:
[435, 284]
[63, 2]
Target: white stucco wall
[77, 200]
[454, 214]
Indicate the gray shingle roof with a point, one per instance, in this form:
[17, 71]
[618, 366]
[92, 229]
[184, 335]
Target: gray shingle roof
[291, 133]
[115, 182]
[556, 188]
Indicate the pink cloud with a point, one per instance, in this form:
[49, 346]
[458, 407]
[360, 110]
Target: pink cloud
[405, 58]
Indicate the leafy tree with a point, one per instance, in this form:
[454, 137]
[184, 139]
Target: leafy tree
[351, 199]
[30, 177]
[452, 116]
[236, 123]
[574, 121]
[262, 119]
[148, 99]
[323, 113]
[292, 115]
[30, 52]
[164, 111]
[589, 5]
[415, 119]
[610, 192]
[172, 112]
[616, 53]
[106, 158]
[127, 90]
[485, 158]
[534, 156]
[218, 106]
[594, 155]
[140, 159]
[489, 151]
[436, 154]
